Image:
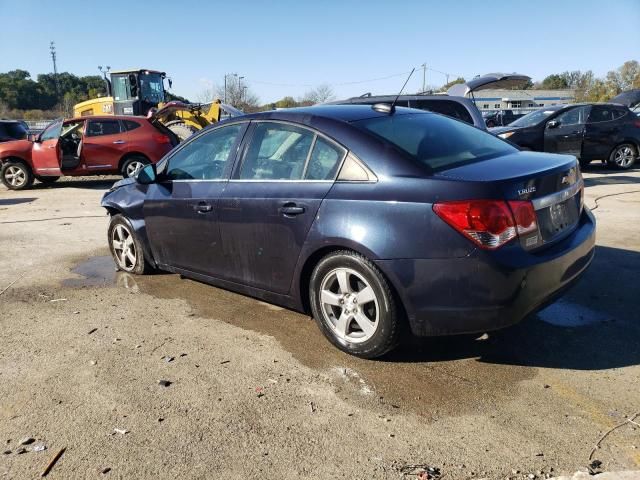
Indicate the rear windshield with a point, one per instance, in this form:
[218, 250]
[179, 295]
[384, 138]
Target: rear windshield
[435, 141]
[13, 130]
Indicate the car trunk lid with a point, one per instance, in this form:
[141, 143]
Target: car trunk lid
[491, 80]
[552, 183]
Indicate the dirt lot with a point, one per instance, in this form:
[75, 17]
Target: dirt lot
[257, 392]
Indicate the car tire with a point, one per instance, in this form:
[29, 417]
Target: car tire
[623, 156]
[16, 175]
[133, 164]
[182, 130]
[354, 305]
[47, 180]
[126, 248]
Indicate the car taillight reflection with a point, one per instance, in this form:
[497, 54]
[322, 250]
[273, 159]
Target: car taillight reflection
[489, 223]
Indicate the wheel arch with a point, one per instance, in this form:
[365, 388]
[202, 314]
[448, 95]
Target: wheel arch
[314, 258]
[13, 158]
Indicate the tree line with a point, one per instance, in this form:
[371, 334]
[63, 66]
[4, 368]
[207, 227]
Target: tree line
[50, 96]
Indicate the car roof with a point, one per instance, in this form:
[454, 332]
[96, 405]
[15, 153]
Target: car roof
[106, 117]
[2, 120]
[386, 98]
[346, 113]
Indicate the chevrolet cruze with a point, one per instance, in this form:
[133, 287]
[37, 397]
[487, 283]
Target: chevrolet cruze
[368, 217]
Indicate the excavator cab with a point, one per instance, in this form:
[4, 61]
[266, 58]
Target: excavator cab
[135, 92]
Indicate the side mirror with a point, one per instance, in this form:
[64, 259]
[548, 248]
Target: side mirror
[553, 124]
[147, 175]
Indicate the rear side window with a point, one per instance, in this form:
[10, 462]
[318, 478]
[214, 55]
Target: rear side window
[130, 125]
[277, 152]
[444, 107]
[619, 113]
[436, 142]
[605, 113]
[98, 128]
[324, 162]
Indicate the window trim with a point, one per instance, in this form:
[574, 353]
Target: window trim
[249, 136]
[162, 165]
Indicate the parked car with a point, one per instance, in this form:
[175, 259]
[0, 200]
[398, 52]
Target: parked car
[497, 118]
[455, 103]
[12, 130]
[368, 218]
[84, 146]
[600, 131]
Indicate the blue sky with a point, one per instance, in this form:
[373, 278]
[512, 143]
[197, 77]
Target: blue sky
[286, 47]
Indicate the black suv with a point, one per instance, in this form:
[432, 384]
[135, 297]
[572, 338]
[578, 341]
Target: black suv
[12, 130]
[497, 118]
[590, 131]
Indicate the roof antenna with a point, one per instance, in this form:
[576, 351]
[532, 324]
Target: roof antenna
[390, 109]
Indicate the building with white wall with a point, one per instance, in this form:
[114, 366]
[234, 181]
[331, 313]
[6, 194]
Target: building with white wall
[518, 100]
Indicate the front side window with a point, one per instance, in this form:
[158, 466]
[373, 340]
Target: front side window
[277, 152]
[206, 156]
[435, 141]
[575, 116]
[99, 128]
[52, 131]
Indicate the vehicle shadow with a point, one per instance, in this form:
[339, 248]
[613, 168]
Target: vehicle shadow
[94, 184]
[16, 201]
[595, 326]
[611, 180]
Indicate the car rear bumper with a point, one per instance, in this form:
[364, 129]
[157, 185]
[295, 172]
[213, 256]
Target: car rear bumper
[489, 290]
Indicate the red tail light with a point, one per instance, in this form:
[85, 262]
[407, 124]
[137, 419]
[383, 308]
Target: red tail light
[488, 223]
[160, 138]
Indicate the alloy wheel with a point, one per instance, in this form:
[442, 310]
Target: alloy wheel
[124, 248]
[133, 168]
[15, 176]
[623, 156]
[349, 305]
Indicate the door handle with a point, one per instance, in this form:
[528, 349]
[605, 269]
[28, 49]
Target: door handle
[203, 207]
[119, 142]
[291, 209]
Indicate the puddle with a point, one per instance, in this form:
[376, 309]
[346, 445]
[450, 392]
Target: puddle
[95, 271]
[432, 377]
[567, 314]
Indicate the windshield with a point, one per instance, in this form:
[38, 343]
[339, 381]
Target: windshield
[435, 141]
[151, 87]
[533, 118]
[121, 87]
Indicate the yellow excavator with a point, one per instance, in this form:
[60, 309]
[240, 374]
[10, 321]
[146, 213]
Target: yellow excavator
[142, 92]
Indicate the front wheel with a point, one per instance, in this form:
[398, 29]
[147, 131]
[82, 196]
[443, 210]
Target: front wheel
[353, 305]
[623, 156]
[16, 175]
[126, 248]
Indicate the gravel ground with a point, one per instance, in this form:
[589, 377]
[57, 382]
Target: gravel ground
[256, 391]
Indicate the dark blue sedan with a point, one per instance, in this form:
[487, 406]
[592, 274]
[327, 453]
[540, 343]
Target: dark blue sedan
[368, 217]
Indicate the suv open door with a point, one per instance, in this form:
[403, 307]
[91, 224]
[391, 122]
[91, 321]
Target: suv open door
[46, 153]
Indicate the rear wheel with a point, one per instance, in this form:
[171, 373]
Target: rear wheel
[182, 130]
[47, 180]
[126, 248]
[353, 305]
[623, 156]
[133, 165]
[16, 175]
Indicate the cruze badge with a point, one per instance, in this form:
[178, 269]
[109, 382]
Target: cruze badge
[527, 190]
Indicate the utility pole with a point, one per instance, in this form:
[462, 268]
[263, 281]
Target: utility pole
[225, 87]
[52, 48]
[240, 91]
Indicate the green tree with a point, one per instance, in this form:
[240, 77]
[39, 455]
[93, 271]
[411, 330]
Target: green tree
[286, 102]
[554, 81]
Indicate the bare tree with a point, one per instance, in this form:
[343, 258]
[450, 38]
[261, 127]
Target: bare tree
[239, 95]
[321, 94]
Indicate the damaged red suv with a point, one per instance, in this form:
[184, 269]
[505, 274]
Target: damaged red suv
[84, 146]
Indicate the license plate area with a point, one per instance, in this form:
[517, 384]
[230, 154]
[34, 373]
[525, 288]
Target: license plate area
[558, 219]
